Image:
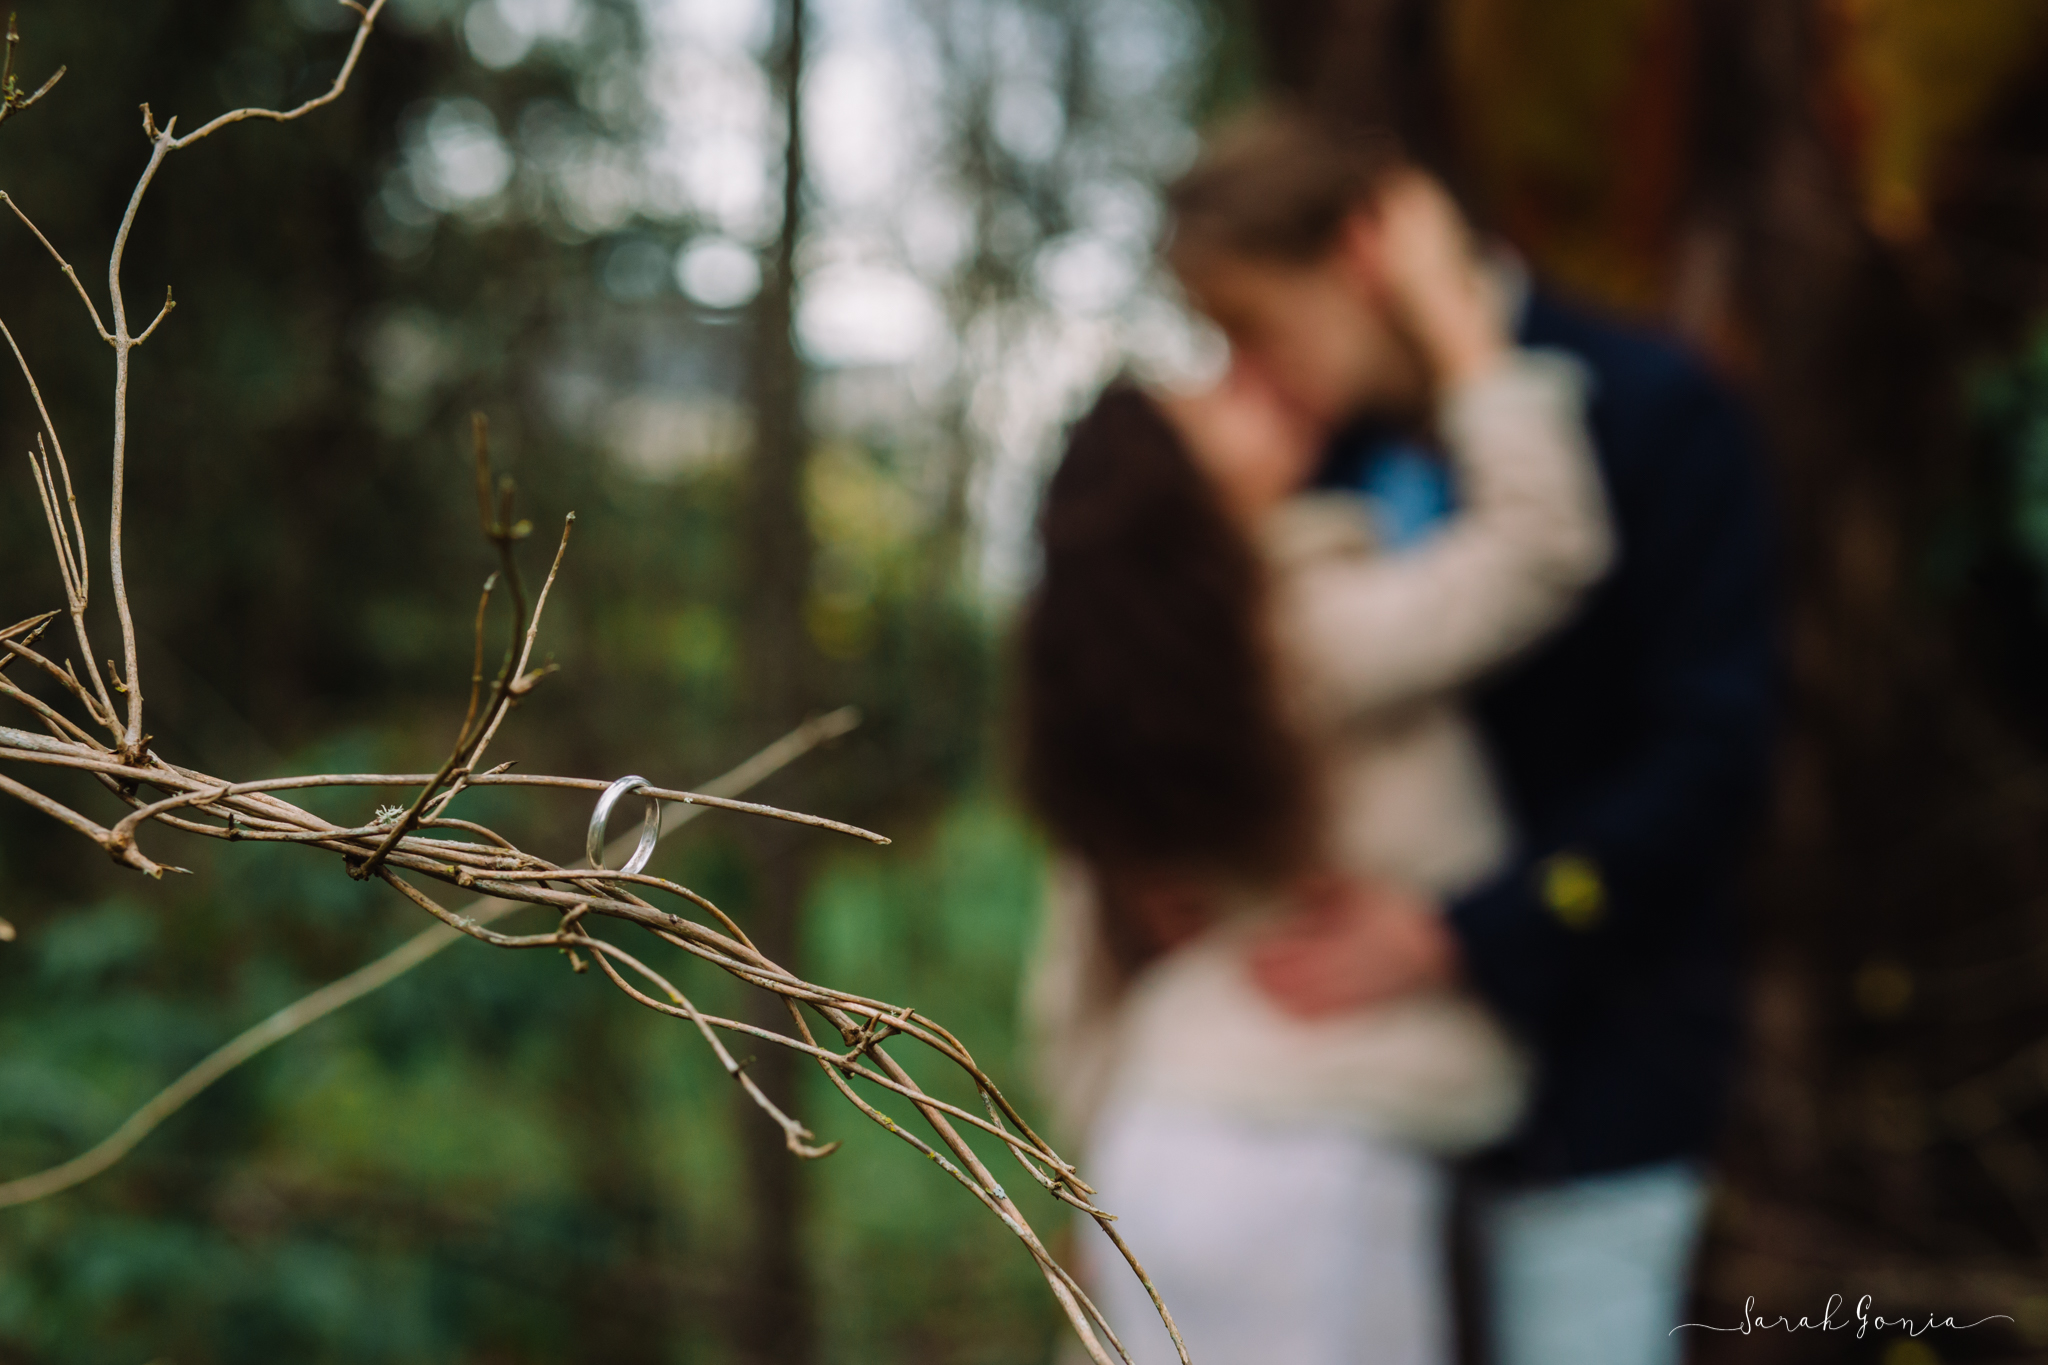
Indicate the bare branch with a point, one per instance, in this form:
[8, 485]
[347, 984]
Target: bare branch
[169, 304]
[124, 345]
[361, 982]
[794, 1135]
[27, 631]
[68, 816]
[519, 674]
[19, 649]
[476, 669]
[1073, 1302]
[12, 101]
[73, 563]
[735, 955]
[68, 560]
[703, 800]
[63, 265]
[45, 88]
[59, 724]
[333, 93]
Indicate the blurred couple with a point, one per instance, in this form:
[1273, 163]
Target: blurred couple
[1399, 706]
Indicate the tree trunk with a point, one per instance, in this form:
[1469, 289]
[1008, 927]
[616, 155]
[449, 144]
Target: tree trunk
[1903, 863]
[604, 1116]
[1889, 1127]
[779, 666]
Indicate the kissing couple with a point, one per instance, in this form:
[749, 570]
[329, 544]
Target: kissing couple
[1399, 708]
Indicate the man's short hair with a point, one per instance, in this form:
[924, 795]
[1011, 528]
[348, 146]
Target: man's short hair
[1275, 185]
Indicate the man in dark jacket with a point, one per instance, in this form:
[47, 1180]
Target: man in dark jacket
[1631, 749]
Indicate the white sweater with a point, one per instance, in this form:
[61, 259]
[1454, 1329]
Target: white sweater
[1374, 651]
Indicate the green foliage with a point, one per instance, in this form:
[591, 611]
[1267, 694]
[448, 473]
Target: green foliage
[472, 1163]
[2010, 408]
[944, 930]
[1987, 560]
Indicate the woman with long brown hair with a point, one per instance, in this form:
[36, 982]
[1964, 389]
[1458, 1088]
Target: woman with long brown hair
[1237, 713]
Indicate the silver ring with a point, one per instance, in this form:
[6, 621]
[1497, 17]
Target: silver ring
[650, 828]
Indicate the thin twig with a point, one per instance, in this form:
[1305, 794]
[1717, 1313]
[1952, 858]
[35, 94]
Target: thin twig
[63, 265]
[64, 814]
[794, 1135]
[74, 565]
[522, 678]
[19, 649]
[164, 312]
[27, 630]
[124, 346]
[58, 722]
[503, 533]
[12, 101]
[703, 800]
[333, 93]
[124, 343]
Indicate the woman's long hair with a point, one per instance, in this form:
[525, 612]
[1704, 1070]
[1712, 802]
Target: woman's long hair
[1153, 743]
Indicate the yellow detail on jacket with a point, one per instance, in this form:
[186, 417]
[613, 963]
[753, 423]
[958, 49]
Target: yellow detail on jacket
[1572, 888]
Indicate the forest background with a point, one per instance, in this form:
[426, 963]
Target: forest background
[788, 303]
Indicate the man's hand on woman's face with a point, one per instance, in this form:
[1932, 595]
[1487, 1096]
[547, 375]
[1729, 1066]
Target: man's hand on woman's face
[1415, 250]
[1352, 944]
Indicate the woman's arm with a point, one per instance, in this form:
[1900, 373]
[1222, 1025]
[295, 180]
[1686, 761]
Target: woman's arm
[1531, 535]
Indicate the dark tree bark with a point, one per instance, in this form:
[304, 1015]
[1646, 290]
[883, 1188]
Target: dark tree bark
[1890, 1126]
[780, 666]
[605, 1116]
[1902, 875]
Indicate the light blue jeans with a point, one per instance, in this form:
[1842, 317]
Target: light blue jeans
[1592, 1271]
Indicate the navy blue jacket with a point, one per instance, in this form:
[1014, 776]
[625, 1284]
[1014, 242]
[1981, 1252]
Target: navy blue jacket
[1632, 749]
